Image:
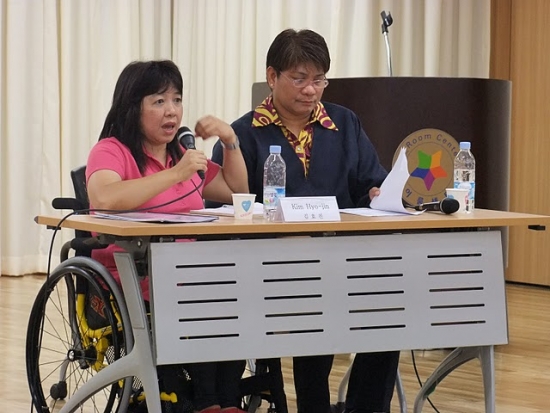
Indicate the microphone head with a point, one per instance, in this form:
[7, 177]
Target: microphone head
[186, 138]
[182, 130]
[449, 205]
[387, 19]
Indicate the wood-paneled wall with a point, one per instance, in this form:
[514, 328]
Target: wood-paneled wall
[520, 34]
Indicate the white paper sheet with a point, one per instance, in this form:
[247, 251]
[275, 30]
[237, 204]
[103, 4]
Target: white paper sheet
[368, 212]
[391, 190]
[156, 217]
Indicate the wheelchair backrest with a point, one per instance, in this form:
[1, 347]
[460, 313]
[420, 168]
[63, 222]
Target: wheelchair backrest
[78, 176]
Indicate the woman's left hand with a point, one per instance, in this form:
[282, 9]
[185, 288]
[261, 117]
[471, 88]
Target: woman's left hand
[233, 176]
[209, 126]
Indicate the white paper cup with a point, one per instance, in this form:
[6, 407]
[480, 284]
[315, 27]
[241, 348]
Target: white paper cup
[461, 195]
[243, 205]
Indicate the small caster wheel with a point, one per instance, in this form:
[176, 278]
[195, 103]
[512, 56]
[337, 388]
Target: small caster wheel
[58, 391]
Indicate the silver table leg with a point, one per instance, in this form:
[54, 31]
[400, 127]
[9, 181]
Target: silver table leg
[458, 357]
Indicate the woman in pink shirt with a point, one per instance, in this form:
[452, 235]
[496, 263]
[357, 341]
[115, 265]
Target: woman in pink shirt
[139, 163]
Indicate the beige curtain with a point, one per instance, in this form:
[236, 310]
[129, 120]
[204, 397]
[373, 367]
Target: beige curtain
[60, 59]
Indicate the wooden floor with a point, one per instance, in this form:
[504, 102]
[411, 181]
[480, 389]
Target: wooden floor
[522, 367]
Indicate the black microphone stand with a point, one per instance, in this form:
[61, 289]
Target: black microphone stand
[387, 20]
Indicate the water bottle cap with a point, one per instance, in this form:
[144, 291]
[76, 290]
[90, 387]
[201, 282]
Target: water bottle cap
[274, 149]
[465, 145]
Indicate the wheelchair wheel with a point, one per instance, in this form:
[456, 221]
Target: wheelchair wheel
[77, 326]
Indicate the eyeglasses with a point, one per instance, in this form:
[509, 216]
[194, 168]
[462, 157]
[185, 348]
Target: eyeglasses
[302, 83]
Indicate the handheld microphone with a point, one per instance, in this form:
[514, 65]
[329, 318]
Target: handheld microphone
[446, 205]
[187, 140]
[387, 20]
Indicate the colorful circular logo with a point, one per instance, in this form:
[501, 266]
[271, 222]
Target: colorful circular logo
[430, 157]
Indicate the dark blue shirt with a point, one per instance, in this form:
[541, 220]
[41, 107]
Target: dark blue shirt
[343, 162]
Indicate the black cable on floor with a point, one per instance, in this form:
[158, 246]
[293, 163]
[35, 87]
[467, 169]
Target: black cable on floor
[420, 381]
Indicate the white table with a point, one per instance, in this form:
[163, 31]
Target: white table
[261, 289]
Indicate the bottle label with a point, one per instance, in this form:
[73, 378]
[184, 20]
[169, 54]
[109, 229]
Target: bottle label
[471, 187]
[272, 195]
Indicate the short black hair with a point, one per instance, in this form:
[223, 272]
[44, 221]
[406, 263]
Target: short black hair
[291, 48]
[137, 80]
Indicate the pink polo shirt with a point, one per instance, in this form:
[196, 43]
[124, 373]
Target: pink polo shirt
[113, 155]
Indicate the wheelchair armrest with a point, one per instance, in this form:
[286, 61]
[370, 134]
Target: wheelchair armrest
[87, 244]
[82, 246]
[68, 203]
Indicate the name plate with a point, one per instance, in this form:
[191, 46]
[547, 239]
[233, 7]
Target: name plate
[306, 209]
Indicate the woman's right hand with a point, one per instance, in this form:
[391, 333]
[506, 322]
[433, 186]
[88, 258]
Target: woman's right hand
[192, 161]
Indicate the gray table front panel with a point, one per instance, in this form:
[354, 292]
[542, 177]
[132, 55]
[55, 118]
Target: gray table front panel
[217, 300]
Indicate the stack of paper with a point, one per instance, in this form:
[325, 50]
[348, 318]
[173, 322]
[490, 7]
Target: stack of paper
[390, 201]
[156, 217]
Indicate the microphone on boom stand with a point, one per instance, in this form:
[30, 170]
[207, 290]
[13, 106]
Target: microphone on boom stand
[387, 20]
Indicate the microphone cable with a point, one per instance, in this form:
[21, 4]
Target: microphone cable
[407, 204]
[420, 382]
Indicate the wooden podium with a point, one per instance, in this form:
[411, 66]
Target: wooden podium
[391, 108]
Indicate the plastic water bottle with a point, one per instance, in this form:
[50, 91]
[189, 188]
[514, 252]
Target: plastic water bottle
[274, 180]
[465, 173]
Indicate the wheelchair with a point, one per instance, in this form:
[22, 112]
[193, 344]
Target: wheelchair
[79, 324]
[76, 328]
